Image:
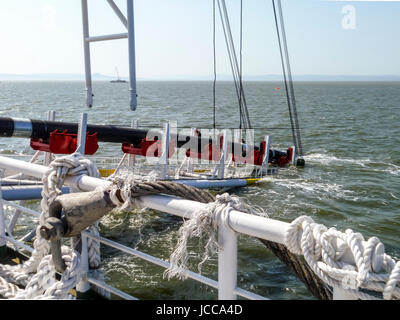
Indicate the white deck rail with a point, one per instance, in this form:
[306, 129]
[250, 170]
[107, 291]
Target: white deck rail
[237, 223]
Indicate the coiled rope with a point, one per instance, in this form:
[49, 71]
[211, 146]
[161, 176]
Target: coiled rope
[374, 270]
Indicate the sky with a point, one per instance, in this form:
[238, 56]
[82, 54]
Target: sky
[174, 37]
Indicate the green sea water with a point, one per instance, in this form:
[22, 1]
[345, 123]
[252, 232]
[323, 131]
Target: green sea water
[351, 142]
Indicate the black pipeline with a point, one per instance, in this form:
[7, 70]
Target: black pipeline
[41, 129]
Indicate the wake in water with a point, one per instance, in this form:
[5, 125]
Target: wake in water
[335, 188]
[374, 165]
[327, 159]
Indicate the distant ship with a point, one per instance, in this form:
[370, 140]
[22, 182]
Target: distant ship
[118, 78]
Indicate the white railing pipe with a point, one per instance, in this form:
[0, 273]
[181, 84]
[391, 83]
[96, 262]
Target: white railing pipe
[114, 36]
[269, 229]
[227, 262]
[151, 259]
[111, 289]
[252, 225]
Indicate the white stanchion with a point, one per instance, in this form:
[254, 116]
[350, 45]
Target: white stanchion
[227, 262]
[83, 284]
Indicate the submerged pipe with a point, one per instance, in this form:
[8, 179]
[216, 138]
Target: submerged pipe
[14, 193]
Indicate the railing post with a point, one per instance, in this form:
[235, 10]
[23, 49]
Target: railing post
[81, 137]
[3, 242]
[165, 151]
[132, 157]
[227, 262]
[51, 116]
[265, 162]
[131, 49]
[294, 155]
[83, 286]
[86, 51]
[190, 168]
[221, 165]
[237, 138]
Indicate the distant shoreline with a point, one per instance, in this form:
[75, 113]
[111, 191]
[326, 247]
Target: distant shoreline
[205, 80]
[221, 77]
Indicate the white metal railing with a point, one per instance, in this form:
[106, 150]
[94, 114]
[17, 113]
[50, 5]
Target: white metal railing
[236, 223]
[224, 293]
[239, 222]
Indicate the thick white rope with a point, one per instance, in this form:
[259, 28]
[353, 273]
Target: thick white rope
[94, 247]
[7, 289]
[37, 273]
[43, 284]
[324, 250]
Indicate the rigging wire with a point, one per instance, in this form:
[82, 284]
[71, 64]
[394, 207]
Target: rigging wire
[245, 119]
[241, 61]
[287, 75]
[242, 98]
[228, 46]
[215, 67]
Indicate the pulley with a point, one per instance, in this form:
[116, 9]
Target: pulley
[70, 214]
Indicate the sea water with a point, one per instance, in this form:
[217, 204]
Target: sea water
[351, 141]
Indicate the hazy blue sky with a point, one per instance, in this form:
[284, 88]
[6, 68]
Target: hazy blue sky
[174, 37]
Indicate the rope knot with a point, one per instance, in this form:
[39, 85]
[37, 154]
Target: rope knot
[294, 233]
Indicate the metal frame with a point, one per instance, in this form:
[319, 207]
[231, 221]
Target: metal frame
[130, 35]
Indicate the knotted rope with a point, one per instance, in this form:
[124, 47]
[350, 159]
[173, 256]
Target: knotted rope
[124, 194]
[325, 251]
[203, 223]
[126, 190]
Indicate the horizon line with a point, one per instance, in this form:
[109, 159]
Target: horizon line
[223, 77]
